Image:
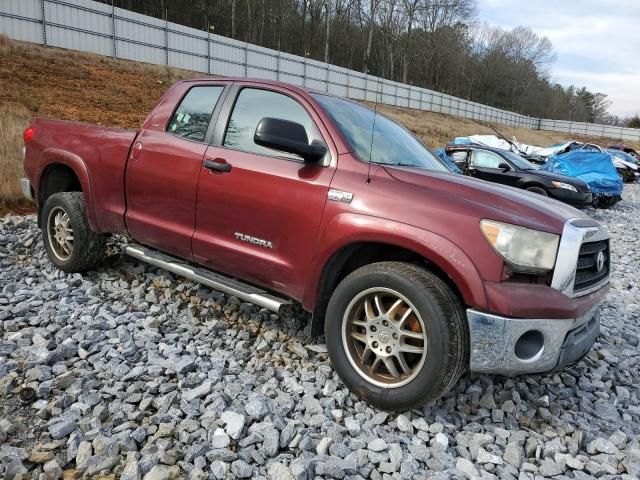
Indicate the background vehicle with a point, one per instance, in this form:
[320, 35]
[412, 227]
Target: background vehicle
[625, 149]
[627, 170]
[501, 166]
[595, 168]
[271, 193]
[626, 164]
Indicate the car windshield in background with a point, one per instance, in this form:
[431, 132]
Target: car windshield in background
[519, 161]
[392, 144]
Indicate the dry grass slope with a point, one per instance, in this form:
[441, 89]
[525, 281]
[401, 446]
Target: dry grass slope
[13, 120]
[68, 85]
[436, 129]
[48, 82]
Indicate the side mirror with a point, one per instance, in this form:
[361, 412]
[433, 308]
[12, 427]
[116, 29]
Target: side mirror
[505, 167]
[289, 137]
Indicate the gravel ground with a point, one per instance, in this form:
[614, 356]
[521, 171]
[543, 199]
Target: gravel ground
[138, 374]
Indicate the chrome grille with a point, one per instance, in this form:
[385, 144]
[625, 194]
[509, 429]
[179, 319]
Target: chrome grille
[593, 265]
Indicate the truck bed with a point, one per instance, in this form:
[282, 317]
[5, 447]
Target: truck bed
[100, 151]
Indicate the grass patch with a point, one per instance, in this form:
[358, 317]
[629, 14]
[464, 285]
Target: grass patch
[13, 120]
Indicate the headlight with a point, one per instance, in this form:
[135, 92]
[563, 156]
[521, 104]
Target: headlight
[566, 186]
[524, 249]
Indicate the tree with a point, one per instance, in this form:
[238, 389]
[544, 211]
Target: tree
[436, 44]
[634, 122]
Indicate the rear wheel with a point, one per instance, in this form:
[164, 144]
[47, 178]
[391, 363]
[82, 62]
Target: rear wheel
[396, 335]
[538, 190]
[70, 243]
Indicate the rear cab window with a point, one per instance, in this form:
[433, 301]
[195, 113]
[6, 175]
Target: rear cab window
[191, 119]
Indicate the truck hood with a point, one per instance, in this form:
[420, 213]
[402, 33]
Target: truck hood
[491, 200]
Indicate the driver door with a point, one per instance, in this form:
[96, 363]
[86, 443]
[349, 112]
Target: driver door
[259, 219]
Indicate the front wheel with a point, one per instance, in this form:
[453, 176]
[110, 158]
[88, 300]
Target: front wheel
[70, 243]
[538, 190]
[396, 335]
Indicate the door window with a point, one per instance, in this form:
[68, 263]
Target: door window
[484, 159]
[252, 105]
[191, 118]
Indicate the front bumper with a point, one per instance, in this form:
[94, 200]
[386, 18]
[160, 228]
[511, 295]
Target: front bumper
[575, 199]
[25, 186]
[514, 346]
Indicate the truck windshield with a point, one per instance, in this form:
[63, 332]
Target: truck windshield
[392, 144]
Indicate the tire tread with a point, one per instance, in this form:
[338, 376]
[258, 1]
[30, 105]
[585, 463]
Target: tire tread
[90, 245]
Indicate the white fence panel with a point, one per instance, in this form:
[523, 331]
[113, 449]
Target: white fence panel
[338, 81]
[22, 20]
[90, 26]
[316, 75]
[188, 48]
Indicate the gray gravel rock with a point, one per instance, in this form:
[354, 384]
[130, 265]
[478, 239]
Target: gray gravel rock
[241, 469]
[234, 424]
[219, 468]
[277, 471]
[140, 374]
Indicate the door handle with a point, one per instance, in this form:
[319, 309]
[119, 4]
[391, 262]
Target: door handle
[218, 165]
[135, 151]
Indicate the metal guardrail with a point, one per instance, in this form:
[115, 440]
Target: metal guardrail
[90, 26]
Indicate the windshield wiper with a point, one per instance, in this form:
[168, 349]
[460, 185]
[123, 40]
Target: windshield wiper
[400, 164]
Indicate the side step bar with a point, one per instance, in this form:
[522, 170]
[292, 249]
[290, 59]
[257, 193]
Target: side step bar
[214, 280]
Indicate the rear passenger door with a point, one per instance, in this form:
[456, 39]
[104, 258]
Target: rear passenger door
[259, 220]
[163, 169]
[486, 165]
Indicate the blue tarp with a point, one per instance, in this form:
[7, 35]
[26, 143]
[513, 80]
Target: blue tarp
[447, 161]
[595, 168]
[461, 141]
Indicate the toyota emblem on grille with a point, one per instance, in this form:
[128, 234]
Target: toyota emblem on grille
[600, 261]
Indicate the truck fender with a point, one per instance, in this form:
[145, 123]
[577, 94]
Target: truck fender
[349, 228]
[51, 156]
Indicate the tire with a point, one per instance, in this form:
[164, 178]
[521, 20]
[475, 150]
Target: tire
[440, 315]
[538, 190]
[86, 248]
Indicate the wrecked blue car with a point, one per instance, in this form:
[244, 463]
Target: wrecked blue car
[595, 168]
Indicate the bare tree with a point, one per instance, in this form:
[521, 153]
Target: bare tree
[436, 44]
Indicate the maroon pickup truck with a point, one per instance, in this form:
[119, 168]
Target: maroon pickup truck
[274, 194]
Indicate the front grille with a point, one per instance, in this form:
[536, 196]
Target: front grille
[589, 270]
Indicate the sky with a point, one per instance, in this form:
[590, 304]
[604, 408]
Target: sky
[597, 42]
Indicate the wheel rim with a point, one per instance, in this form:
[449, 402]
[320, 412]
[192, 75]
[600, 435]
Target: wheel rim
[60, 233]
[384, 337]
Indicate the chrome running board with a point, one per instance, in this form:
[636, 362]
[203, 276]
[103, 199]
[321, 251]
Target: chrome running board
[206, 277]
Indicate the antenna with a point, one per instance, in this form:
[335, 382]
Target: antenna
[513, 145]
[373, 130]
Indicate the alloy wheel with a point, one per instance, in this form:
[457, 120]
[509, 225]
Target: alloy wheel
[60, 233]
[384, 337]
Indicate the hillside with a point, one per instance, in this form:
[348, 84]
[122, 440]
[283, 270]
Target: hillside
[50, 82]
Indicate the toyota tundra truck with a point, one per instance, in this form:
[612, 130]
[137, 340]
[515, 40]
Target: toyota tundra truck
[277, 194]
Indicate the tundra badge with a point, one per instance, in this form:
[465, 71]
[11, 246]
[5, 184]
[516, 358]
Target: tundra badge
[256, 241]
[340, 196]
